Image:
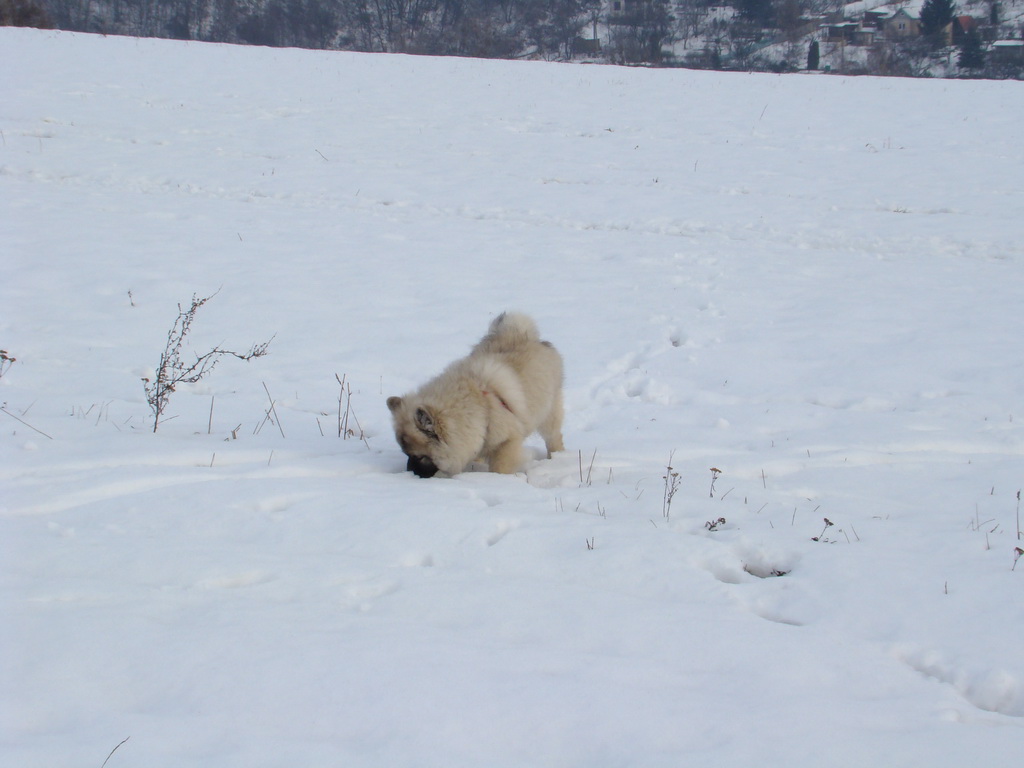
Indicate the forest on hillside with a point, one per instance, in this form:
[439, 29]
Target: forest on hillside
[982, 39]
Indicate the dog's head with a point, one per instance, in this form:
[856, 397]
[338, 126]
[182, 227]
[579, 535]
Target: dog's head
[416, 431]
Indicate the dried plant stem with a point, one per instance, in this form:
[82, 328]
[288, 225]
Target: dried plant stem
[590, 470]
[671, 479]
[343, 416]
[362, 435]
[26, 423]
[345, 412]
[273, 409]
[113, 751]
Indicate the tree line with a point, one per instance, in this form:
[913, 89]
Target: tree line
[631, 31]
[485, 28]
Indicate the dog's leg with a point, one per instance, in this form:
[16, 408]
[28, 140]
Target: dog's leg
[507, 457]
[551, 428]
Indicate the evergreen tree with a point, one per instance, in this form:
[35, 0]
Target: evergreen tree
[972, 55]
[814, 55]
[935, 15]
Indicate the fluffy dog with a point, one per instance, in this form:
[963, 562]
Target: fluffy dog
[484, 405]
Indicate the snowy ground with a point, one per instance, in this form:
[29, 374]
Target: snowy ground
[812, 284]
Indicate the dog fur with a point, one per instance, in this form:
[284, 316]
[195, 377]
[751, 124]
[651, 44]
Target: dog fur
[485, 405]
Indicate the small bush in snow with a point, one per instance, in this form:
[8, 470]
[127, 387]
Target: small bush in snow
[172, 371]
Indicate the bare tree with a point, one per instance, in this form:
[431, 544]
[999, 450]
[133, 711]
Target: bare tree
[640, 32]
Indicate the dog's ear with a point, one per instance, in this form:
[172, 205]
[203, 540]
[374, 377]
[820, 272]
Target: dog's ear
[394, 403]
[425, 422]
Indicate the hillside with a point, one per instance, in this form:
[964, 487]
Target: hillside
[867, 37]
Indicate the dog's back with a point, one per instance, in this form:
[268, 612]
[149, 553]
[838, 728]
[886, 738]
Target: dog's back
[509, 332]
[534, 392]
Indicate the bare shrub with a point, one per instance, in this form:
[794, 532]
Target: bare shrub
[173, 371]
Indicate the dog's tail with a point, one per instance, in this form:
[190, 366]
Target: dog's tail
[510, 330]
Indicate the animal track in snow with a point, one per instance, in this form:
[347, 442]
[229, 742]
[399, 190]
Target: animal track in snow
[274, 505]
[560, 471]
[756, 572]
[740, 564]
[677, 338]
[503, 528]
[360, 594]
[417, 560]
[629, 377]
[651, 371]
[992, 690]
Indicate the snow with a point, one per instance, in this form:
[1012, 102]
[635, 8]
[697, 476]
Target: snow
[811, 284]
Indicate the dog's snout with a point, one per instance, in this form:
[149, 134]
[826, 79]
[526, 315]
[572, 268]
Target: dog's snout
[421, 466]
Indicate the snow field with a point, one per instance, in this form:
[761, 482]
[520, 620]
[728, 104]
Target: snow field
[810, 284]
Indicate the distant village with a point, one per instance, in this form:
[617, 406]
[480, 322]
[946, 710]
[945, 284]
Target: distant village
[869, 37]
[910, 38]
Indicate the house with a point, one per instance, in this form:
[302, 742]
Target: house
[865, 35]
[873, 19]
[845, 28]
[623, 7]
[901, 24]
[958, 30]
[1007, 53]
[839, 32]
